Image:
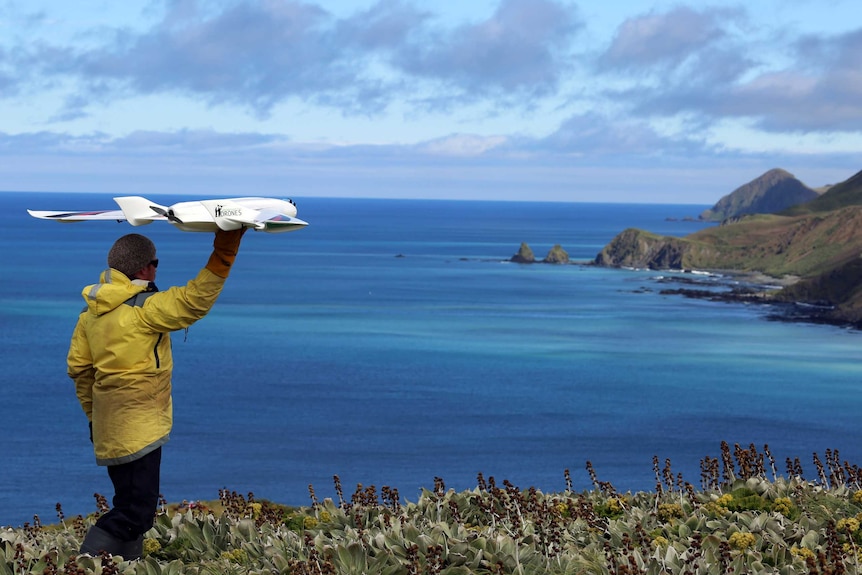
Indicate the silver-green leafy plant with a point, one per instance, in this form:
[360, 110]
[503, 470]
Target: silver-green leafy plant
[745, 522]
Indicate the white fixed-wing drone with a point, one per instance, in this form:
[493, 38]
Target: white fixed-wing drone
[260, 214]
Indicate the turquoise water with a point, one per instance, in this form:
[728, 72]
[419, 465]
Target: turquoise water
[391, 342]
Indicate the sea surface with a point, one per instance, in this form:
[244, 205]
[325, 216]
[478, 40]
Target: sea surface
[391, 342]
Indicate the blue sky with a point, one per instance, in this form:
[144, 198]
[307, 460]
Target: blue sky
[623, 101]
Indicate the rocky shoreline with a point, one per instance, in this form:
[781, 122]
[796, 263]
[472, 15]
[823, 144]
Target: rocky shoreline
[756, 289]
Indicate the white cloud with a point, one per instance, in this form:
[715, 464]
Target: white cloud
[666, 39]
[464, 145]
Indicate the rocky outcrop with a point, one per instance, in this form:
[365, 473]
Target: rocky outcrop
[635, 248]
[557, 255]
[524, 255]
[771, 193]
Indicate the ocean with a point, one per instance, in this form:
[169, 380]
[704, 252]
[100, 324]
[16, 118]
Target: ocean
[392, 342]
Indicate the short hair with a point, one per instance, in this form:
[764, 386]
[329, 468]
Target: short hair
[131, 253]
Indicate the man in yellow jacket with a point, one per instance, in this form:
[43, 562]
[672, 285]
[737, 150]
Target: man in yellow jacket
[120, 360]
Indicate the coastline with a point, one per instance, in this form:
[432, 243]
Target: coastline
[760, 278]
[754, 287]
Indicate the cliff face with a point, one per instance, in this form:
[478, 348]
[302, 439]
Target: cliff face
[773, 192]
[635, 248]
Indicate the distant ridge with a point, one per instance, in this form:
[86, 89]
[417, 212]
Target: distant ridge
[847, 193]
[773, 192]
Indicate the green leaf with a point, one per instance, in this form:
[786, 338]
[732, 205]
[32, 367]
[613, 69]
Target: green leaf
[352, 557]
[810, 540]
[150, 567]
[208, 533]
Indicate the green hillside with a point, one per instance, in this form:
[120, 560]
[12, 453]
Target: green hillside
[847, 193]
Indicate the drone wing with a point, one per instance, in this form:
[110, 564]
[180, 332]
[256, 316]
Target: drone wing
[69, 216]
[136, 210]
[277, 222]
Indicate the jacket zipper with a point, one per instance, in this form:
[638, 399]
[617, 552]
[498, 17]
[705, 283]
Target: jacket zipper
[156, 351]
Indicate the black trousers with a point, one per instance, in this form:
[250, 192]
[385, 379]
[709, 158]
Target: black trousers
[136, 497]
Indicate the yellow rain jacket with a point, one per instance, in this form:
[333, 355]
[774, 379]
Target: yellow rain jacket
[120, 358]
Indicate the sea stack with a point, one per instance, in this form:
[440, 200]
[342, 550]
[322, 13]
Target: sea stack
[557, 255]
[524, 255]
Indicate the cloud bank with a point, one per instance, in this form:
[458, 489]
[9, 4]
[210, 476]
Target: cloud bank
[529, 89]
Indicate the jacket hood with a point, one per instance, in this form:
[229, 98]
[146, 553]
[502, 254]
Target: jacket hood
[113, 289]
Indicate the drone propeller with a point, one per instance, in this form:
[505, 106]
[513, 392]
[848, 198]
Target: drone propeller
[166, 213]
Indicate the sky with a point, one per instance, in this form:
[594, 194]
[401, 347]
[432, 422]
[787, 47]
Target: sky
[618, 101]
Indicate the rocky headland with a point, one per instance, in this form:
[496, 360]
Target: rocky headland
[807, 256]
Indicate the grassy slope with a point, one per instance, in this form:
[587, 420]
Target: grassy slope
[803, 245]
[847, 193]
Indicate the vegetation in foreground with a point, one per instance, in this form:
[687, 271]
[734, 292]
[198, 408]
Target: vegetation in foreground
[744, 518]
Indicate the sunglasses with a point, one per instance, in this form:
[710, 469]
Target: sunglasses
[155, 263]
